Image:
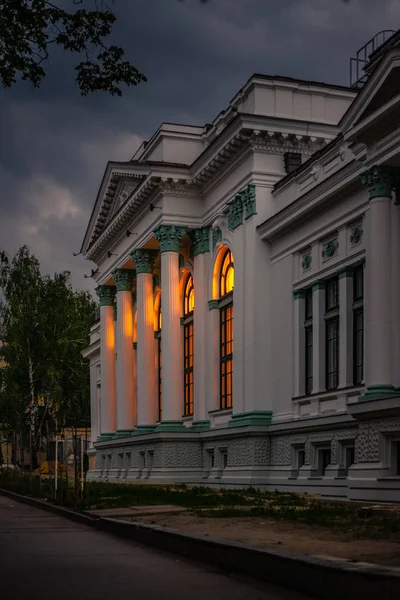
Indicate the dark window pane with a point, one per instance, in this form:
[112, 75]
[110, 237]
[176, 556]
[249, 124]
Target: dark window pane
[332, 354]
[358, 283]
[358, 351]
[332, 294]
[350, 456]
[301, 458]
[188, 369]
[309, 304]
[309, 360]
[325, 458]
[226, 356]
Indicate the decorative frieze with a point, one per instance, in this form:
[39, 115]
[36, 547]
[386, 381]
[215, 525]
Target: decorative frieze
[216, 236]
[144, 260]
[235, 218]
[106, 294]
[124, 279]
[249, 201]
[330, 249]
[200, 240]
[356, 235]
[381, 180]
[306, 261]
[169, 237]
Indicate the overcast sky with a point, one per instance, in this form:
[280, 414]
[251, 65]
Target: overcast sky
[54, 144]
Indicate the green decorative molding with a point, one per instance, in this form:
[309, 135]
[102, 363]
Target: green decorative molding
[172, 427]
[143, 430]
[299, 294]
[380, 181]
[124, 279]
[212, 304]
[115, 309]
[330, 249]
[235, 218]
[379, 392]
[346, 272]
[254, 417]
[106, 294]
[200, 240]
[200, 425]
[216, 236]
[318, 285]
[104, 437]
[169, 237]
[135, 345]
[356, 236]
[249, 201]
[306, 262]
[144, 260]
[121, 433]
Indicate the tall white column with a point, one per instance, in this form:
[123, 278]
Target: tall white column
[169, 237]
[299, 344]
[106, 296]
[146, 370]
[201, 249]
[94, 413]
[345, 328]
[126, 400]
[378, 376]
[319, 353]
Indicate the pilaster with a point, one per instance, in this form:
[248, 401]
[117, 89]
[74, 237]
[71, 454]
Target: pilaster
[299, 343]
[345, 328]
[200, 319]
[319, 352]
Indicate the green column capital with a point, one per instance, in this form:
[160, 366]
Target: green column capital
[144, 260]
[124, 279]
[249, 201]
[169, 237]
[235, 218]
[216, 236]
[380, 181]
[106, 294]
[201, 240]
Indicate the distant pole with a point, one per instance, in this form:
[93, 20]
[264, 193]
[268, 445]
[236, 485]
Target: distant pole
[56, 467]
[82, 470]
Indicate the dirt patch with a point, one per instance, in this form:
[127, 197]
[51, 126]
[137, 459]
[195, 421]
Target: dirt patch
[291, 537]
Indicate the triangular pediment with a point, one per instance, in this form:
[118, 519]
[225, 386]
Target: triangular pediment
[380, 91]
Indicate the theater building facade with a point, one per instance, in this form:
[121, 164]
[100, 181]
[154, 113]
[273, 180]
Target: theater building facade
[249, 287]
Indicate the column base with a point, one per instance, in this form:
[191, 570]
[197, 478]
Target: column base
[105, 436]
[200, 425]
[123, 433]
[254, 417]
[143, 429]
[379, 392]
[173, 426]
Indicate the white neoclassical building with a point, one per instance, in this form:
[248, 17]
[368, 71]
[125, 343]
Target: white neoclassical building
[249, 285]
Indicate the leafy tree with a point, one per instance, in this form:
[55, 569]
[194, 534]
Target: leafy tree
[46, 324]
[29, 29]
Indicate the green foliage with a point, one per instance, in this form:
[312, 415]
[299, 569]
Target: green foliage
[29, 29]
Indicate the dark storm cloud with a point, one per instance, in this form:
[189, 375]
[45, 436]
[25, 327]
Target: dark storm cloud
[55, 144]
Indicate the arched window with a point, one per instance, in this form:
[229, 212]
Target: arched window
[188, 308]
[226, 285]
[158, 327]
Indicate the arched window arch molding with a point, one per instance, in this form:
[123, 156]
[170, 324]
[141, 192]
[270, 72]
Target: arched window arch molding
[216, 264]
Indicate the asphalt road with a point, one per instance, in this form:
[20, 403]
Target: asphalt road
[43, 557]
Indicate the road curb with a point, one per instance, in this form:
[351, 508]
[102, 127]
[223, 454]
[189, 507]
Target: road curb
[320, 577]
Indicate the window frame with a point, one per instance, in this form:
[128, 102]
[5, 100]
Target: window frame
[226, 399]
[332, 318]
[358, 310]
[308, 334]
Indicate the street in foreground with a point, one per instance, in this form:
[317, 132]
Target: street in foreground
[44, 556]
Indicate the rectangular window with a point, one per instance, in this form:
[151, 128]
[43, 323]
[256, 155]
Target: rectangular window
[358, 325]
[309, 304]
[226, 355]
[332, 294]
[301, 458]
[325, 459]
[350, 457]
[332, 354]
[188, 368]
[159, 380]
[309, 359]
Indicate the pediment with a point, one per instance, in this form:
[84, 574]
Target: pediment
[378, 95]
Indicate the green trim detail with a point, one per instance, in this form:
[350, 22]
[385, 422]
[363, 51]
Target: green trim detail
[379, 392]
[104, 437]
[254, 417]
[135, 345]
[318, 285]
[330, 249]
[121, 433]
[106, 294]
[299, 294]
[346, 272]
[124, 279]
[144, 429]
[249, 201]
[200, 240]
[235, 207]
[212, 304]
[356, 236]
[169, 237]
[380, 181]
[200, 425]
[172, 426]
[144, 260]
[306, 262]
[216, 236]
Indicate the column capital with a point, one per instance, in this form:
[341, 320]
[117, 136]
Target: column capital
[169, 237]
[381, 180]
[249, 201]
[235, 218]
[106, 294]
[144, 260]
[299, 294]
[124, 279]
[201, 240]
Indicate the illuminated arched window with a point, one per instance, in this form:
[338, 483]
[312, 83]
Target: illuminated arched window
[188, 308]
[227, 274]
[226, 285]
